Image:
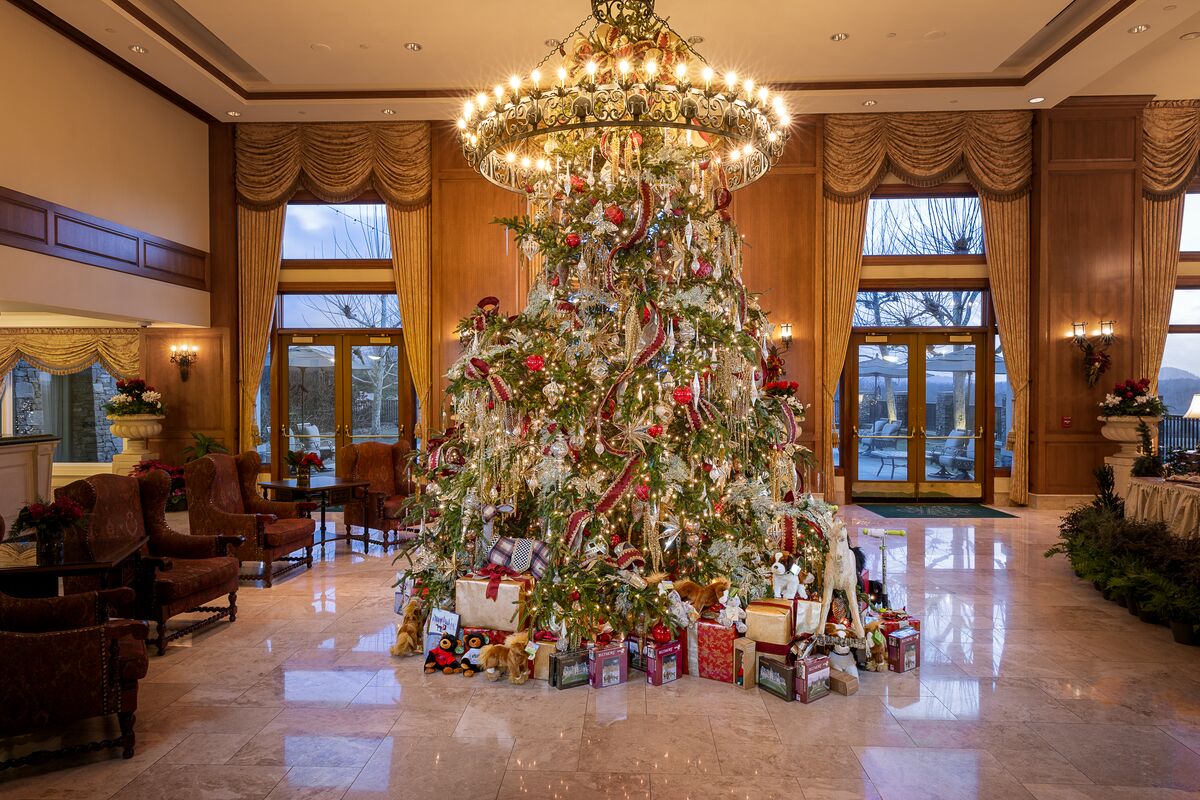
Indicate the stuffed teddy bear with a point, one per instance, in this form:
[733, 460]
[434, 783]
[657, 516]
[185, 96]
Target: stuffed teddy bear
[732, 614]
[785, 582]
[701, 597]
[878, 644]
[510, 657]
[442, 657]
[408, 632]
[473, 643]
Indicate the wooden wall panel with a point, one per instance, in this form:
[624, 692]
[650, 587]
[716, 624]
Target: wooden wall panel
[779, 220]
[222, 214]
[201, 404]
[31, 223]
[1087, 264]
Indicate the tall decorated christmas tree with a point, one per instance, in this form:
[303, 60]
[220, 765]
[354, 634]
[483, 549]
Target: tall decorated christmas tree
[628, 424]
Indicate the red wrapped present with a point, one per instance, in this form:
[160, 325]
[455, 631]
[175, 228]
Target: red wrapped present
[891, 621]
[490, 635]
[689, 660]
[714, 644]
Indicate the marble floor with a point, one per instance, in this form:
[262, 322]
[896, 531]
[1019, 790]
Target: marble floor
[1031, 686]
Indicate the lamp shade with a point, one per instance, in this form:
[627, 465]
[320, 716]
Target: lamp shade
[1193, 411]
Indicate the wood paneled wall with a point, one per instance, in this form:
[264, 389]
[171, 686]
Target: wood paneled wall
[779, 220]
[201, 404]
[1087, 268]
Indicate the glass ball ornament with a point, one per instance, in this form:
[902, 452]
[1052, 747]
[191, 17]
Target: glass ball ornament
[553, 392]
[682, 395]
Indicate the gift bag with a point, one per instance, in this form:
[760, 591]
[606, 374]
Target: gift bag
[808, 617]
[715, 649]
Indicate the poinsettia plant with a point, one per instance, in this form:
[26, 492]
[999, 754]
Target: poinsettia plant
[48, 518]
[781, 388]
[177, 498]
[1132, 399]
[300, 458]
[135, 396]
[1096, 361]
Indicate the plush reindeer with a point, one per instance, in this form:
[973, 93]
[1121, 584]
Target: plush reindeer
[841, 573]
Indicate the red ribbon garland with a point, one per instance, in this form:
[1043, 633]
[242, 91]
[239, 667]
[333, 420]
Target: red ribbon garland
[478, 368]
[487, 307]
[578, 520]
[639, 232]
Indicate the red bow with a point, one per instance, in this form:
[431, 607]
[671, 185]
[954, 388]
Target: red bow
[495, 573]
[545, 636]
[487, 307]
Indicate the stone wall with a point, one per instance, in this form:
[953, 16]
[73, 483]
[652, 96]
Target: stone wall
[38, 399]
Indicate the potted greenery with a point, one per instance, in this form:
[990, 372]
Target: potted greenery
[201, 446]
[136, 413]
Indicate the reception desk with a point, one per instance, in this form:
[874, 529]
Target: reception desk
[26, 463]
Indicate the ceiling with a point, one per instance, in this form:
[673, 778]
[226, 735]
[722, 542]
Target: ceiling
[319, 60]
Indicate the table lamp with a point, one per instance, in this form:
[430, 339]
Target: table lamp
[1193, 411]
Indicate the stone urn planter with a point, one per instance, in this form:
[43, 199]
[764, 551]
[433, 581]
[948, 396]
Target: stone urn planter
[1124, 431]
[134, 431]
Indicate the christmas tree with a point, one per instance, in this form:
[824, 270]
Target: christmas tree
[629, 423]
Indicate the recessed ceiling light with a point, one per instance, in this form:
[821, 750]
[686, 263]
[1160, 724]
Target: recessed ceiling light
[320, 47]
[363, 47]
[869, 103]
[389, 111]
[233, 113]
[137, 48]
[839, 37]
[1187, 37]
[1037, 99]
[953, 101]
[695, 40]
[891, 36]
[302, 113]
[413, 47]
[552, 43]
[1139, 29]
[935, 34]
[1171, 7]
[110, 30]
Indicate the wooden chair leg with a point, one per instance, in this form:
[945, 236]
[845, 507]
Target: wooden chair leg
[267, 569]
[308, 556]
[126, 720]
[160, 635]
[233, 606]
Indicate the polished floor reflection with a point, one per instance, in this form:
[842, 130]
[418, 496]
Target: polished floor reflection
[1031, 686]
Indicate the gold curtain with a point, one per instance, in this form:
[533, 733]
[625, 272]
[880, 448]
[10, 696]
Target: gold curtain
[260, 241]
[1006, 242]
[63, 351]
[336, 161]
[409, 232]
[1170, 159]
[995, 150]
[845, 226]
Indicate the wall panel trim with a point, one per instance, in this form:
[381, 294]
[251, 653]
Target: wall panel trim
[31, 223]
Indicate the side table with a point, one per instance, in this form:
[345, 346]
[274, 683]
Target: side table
[326, 490]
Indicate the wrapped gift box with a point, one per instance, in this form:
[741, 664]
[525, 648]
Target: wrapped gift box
[636, 645]
[904, 650]
[812, 678]
[745, 666]
[490, 635]
[770, 621]
[892, 621]
[608, 665]
[505, 612]
[662, 661]
[777, 677]
[714, 646]
[691, 646]
[541, 660]
[569, 669]
[808, 617]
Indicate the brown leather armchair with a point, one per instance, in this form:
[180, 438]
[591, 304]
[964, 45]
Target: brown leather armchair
[386, 468]
[176, 573]
[65, 660]
[223, 498]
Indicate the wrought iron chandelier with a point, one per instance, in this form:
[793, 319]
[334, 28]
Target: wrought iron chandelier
[632, 72]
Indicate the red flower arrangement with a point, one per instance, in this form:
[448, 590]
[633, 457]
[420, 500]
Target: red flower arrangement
[177, 498]
[781, 388]
[1132, 399]
[299, 458]
[49, 523]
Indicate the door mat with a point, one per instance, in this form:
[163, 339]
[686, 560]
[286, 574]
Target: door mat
[934, 511]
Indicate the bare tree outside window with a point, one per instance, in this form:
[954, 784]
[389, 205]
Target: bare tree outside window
[935, 226]
[336, 232]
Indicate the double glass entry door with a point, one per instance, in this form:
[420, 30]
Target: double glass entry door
[340, 389]
[917, 416]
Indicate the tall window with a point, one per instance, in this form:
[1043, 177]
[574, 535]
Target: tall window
[1190, 242]
[919, 309]
[68, 406]
[923, 226]
[314, 232]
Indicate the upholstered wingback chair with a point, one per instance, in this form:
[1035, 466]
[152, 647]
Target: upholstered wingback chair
[176, 573]
[65, 660]
[386, 468]
[223, 498]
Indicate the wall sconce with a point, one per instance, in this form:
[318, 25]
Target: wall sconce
[1096, 359]
[183, 356]
[785, 335]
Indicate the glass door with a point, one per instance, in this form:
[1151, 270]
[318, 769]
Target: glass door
[883, 427]
[918, 416]
[952, 426]
[341, 388]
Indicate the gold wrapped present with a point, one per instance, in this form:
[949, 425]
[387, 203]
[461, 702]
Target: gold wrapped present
[808, 617]
[770, 621]
[504, 611]
[541, 660]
